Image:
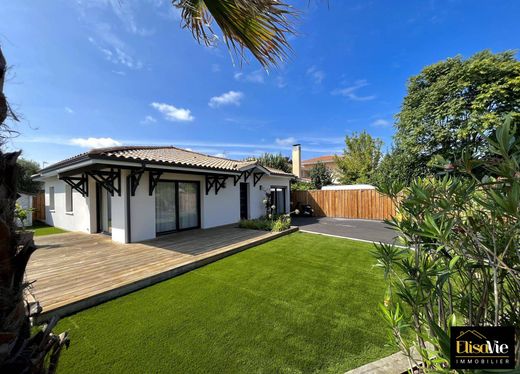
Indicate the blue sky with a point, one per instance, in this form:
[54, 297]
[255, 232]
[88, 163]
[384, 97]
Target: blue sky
[101, 72]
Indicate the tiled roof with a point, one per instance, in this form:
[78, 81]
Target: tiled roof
[163, 155]
[314, 160]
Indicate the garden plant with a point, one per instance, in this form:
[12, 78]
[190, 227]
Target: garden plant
[462, 264]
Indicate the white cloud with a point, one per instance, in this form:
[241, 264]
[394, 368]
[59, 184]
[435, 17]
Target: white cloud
[148, 120]
[171, 113]
[215, 68]
[94, 142]
[280, 82]
[286, 141]
[228, 98]
[221, 155]
[69, 110]
[316, 75]
[381, 123]
[350, 92]
[113, 48]
[256, 76]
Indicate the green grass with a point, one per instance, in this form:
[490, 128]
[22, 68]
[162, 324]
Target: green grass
[41, 229]
[300, 303]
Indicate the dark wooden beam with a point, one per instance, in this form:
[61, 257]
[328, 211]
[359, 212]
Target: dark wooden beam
[135, 178]
[257, 177]
[236, 178]
[79, 184]
[110, 180]
[216, 181]
[154, 177]
[247, 174]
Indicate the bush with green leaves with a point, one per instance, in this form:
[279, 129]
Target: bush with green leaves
[301, 186]
[274, 223]
[463, 262]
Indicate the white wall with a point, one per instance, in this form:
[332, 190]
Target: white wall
[77, 220]
[119, 210]
[216, 210]
[257, 195]
[142, 211]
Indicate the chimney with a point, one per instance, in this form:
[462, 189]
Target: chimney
[297, 160]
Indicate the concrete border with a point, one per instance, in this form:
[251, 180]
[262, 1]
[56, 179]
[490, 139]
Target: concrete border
[349, 238]
[217, 254]
[393, 364]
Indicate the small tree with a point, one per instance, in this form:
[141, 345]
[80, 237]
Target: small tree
[360, 158]
[320, 175]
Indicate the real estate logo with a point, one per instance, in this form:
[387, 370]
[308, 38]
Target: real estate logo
[474, 347]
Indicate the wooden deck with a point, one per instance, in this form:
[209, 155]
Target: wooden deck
[74, 271]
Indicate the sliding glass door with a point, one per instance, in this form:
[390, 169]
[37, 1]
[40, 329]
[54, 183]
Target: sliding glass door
[165, 207]
[188, 205]
[177, 206]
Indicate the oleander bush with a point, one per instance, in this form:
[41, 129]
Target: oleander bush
[463, 266]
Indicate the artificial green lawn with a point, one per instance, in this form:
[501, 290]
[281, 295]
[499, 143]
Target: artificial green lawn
[300, 303]
[41, 229]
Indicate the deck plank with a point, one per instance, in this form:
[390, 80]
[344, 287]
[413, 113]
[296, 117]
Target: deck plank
[73, 271]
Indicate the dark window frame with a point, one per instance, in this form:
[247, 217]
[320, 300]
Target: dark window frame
[177, 223]
[275, 199]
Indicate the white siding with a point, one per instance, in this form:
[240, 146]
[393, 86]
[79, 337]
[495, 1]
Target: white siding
[216, 210]
[77, 220]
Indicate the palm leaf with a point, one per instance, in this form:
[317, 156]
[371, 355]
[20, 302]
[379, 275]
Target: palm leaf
[260, 26]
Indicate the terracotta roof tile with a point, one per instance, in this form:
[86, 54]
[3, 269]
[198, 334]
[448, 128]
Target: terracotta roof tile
[168, 155]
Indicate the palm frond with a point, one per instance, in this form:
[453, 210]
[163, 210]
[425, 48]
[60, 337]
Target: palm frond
[260, 26]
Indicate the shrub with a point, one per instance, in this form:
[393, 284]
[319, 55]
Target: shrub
[464, 266]
[282, 223]
[275, 224]
[301, 186]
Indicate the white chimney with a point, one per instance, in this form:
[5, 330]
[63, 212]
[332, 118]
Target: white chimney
[297, 160]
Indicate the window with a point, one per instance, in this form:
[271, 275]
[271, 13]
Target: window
[278, 199]
[51, 198]
[69, 207]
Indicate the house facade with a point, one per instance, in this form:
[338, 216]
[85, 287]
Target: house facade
[137, 193]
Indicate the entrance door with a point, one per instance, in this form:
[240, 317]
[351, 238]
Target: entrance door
[104, 210]
[165, 207]
[243, 201]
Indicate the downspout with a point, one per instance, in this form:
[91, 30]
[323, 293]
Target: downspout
[128, 217]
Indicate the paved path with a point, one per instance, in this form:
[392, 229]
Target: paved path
[360, 229]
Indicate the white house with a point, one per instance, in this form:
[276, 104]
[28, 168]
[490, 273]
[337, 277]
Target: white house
[135, 193]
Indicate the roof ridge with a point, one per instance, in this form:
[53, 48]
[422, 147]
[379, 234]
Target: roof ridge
[204, 154]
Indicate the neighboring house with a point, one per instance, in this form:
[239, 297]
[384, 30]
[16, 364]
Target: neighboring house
[301, 169]
[135, 193]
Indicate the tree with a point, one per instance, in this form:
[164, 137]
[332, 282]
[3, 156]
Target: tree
[24, 182]
[273, 160]
[320, 175]
[360, 158]
[452, 105]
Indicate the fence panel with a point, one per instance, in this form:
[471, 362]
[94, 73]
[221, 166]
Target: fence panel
[38, 213]
[363, 204]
